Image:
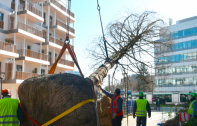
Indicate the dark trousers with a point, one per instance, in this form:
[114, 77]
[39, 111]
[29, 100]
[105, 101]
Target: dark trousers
[141, 121]
[117, 121]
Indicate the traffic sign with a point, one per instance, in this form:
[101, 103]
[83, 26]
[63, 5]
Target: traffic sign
[153, 99]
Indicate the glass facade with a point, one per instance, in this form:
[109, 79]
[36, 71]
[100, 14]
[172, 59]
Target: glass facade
[176, 70]
[184, 33]
[177, 47]
[177, 58]
[176, 82]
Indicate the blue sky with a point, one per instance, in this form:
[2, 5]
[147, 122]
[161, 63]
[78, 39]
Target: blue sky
[87, 24]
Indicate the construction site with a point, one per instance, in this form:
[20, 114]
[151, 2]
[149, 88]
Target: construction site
[39, 58]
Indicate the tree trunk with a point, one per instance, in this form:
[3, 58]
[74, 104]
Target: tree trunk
[101, 72]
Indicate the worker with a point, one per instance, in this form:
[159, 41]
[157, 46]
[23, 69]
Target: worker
[140, 108]
[115, 107]
[192, 105]
[11, 113]
[158, 104]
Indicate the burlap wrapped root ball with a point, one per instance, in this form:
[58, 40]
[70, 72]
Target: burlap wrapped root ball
[46, 96]
[103, 111]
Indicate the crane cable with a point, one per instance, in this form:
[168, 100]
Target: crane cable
[99, 9]
[68, 22]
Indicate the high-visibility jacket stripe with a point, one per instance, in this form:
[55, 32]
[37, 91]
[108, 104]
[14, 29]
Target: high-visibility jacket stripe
[8, 116]
[9, 122]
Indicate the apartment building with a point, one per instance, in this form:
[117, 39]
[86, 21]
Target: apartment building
[177, 67]
[32, 33]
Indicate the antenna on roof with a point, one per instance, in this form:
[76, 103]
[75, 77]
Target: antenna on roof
[170, 21]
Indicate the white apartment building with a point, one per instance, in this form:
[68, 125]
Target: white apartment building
[180, 75]
[32, 33]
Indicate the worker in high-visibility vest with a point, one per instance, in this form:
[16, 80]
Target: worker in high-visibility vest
[10, 111]
[115, 107]
[140, 108]
[192, 105]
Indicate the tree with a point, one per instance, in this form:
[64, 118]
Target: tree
[131, 38]
[143, 79]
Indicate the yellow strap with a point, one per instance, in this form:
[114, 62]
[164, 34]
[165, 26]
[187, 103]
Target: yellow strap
[68, 111]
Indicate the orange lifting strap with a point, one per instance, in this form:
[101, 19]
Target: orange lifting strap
[72, 53]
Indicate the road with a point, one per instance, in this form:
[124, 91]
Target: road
[156, 117]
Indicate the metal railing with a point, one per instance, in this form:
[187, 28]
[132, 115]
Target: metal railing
[23, 75]
[30, 29]
[2, 24]
[7, 46]
[34, 10]
[32, 54]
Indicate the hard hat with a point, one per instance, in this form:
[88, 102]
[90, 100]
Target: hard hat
[4, 91]
[193, 94]
[141, 94]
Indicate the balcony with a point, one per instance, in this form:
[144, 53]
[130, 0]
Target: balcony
[23, 75]
[63, 63]
[66, 62]
[32, 13]
[24, 30]
[62, 28]
[8, 50]
[19, 77]
[38, 1]
[61, 11]
[32, 56]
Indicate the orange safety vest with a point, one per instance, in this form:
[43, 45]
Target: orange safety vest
[115, 107]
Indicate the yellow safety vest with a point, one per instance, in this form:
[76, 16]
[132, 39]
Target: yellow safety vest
[190, 110]
[141, 107]
[8, 112]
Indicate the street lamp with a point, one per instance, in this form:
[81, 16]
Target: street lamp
[1, 84]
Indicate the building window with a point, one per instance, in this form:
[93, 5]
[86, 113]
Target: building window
[18, 67]
[28, 47]
[34, 70]
[42, 71]
[1, 16]
[43, 51]
[55, 55]
[44, 15]
[51, 18]
[49, 54]
[13, 1]
[50, 34]
[61, 39]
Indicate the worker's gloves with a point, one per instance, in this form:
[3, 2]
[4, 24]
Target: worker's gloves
[149, 115]
[114, 116]
[133, 116]
[99, 86]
